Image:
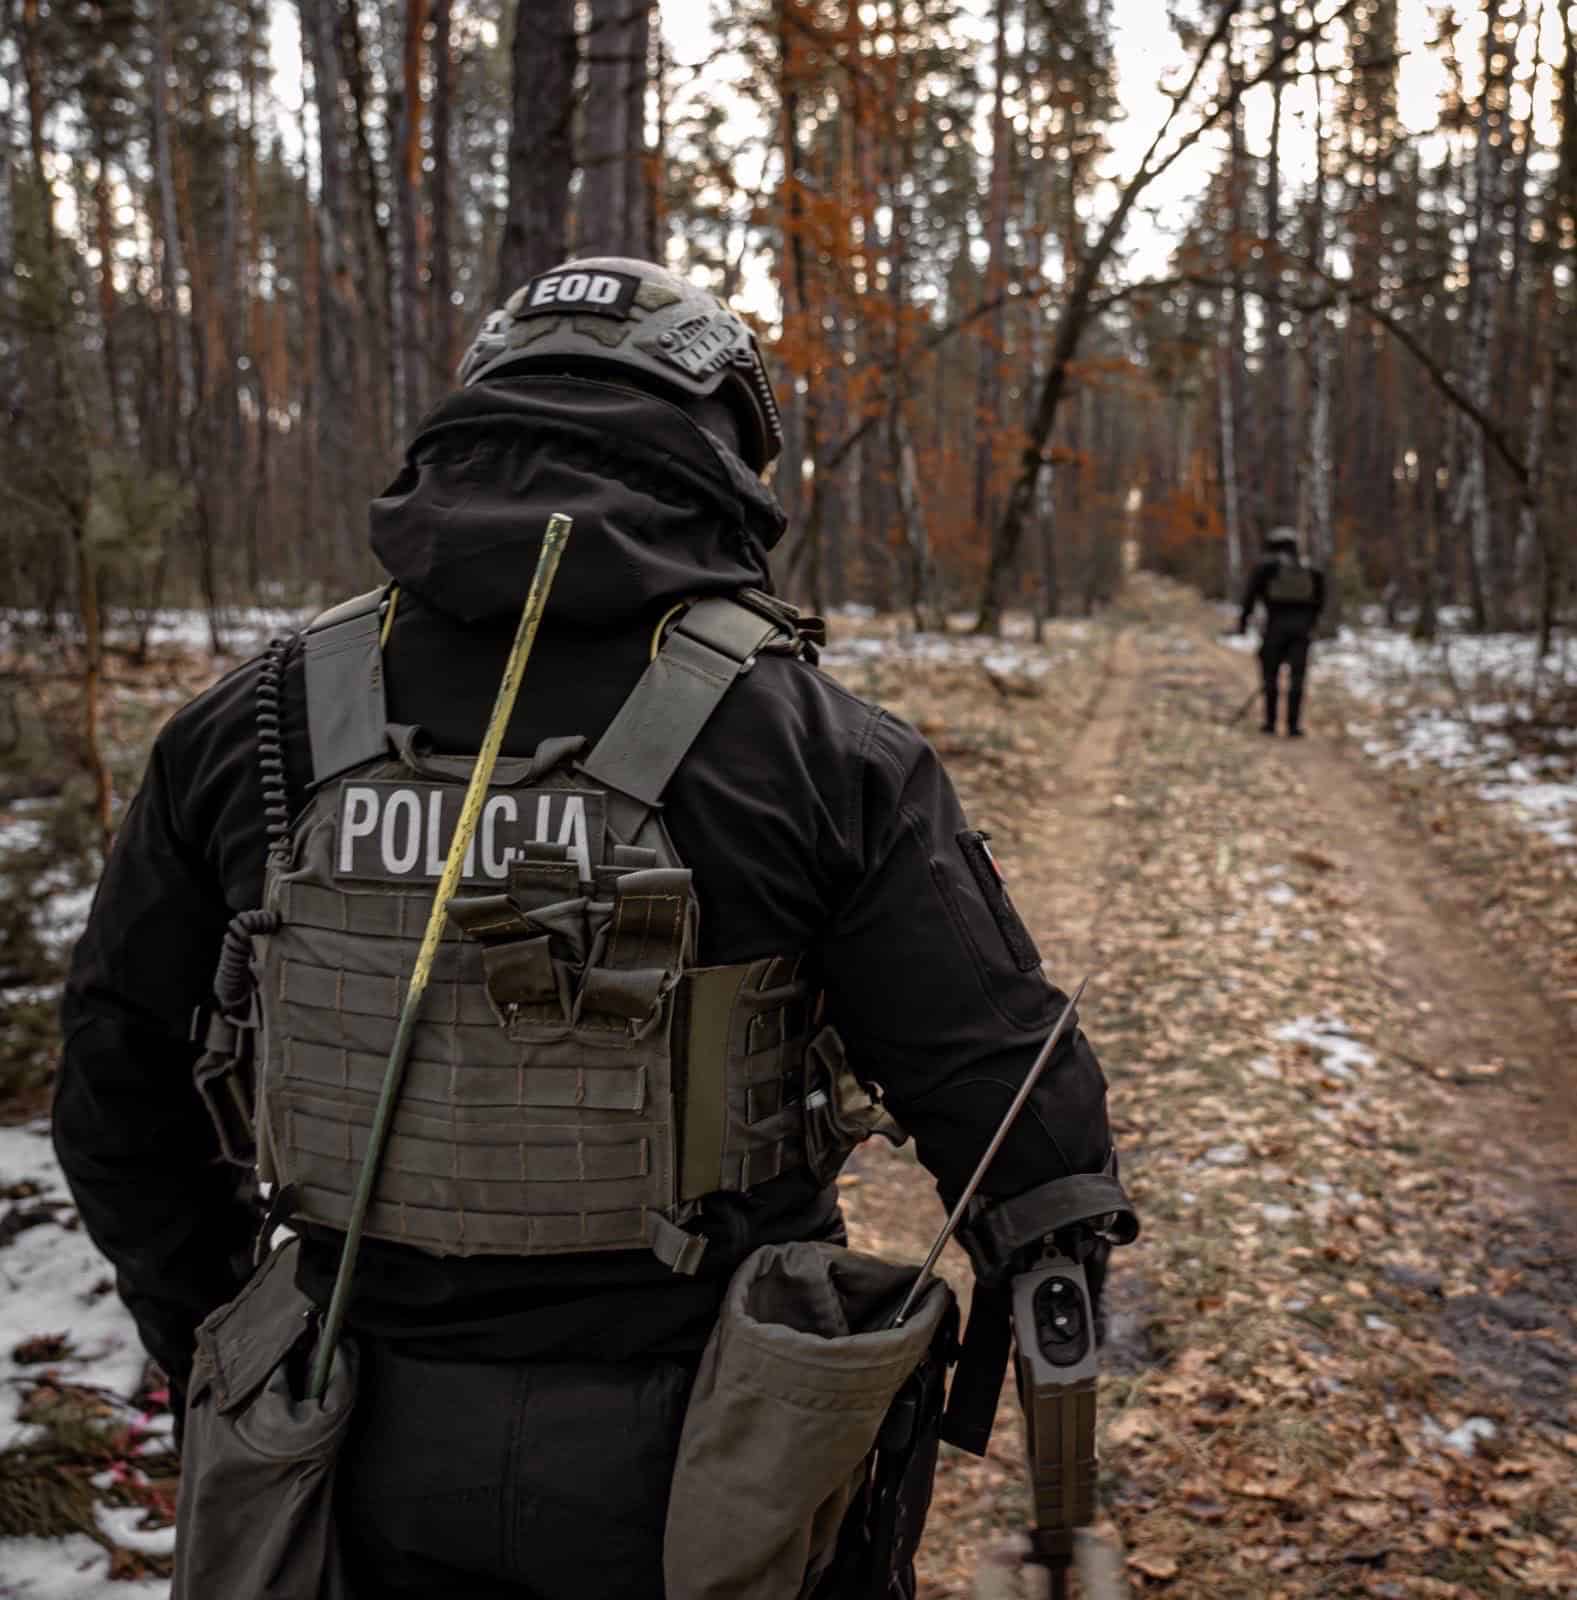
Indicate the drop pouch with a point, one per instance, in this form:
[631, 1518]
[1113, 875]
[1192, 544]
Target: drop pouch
[255, 1513]
[796, 1382]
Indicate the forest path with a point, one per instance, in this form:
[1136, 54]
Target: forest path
[1343, 1351]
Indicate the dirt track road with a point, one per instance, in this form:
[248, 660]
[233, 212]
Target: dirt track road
[1343, 1350]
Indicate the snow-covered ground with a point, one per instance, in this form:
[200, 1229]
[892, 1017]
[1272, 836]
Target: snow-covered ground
[67, 1569]
[56, 1283]
[1014, 655]
[57, 1287]
[243, 630]
[1448, 705]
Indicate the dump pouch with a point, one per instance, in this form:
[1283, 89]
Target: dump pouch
[255, 1511]
[882, 1531]
[794, 1388]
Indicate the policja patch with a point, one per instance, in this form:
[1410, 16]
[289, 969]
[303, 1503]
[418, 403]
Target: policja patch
[393, 832]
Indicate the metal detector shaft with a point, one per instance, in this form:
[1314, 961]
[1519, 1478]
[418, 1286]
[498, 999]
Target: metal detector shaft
[465, 830]
[1253, 695]
[950, 1227]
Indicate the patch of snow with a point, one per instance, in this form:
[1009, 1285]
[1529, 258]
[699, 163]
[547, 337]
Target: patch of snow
[1547, 808]
[1003, 657]
[1494, 673]
[75, 1568]
[1226, 1155]
[63, 917]
[19, 834]
[1004, 662]
[1278, 1216]
[1340, 1054]
[31, 993]
[1378, 1324]
[1463, 1440]
[53, 1281]
[243, 630]
[122, 1525]
[1281, 894]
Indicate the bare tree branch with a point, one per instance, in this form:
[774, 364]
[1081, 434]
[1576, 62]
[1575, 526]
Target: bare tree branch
[1077, 308]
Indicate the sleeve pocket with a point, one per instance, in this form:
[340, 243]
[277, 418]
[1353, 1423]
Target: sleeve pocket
[988, 879]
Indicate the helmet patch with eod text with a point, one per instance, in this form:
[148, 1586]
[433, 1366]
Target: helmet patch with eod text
[567, 289]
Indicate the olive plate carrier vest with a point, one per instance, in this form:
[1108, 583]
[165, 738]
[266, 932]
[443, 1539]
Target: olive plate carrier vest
[1292, 583]
[576, 1081]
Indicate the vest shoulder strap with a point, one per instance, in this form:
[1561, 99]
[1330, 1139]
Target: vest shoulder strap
[347, 718]
[705, 652]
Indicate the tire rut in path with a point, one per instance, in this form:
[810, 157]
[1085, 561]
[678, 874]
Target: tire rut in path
[1459, 1001]
[1058, 883]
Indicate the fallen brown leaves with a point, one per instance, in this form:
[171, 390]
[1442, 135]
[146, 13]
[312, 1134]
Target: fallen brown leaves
[1341, 1352]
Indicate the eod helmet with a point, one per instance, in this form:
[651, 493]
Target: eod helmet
[614, 313]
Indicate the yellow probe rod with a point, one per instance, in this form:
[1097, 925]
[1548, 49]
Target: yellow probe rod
[553, 544]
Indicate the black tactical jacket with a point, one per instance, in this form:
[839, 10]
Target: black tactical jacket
[811, 820]
[1283, 616]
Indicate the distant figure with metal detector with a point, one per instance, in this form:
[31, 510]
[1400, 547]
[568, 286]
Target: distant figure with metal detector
[1293, 594]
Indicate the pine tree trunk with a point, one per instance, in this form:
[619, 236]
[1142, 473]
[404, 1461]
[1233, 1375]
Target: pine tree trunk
[1279, 443]
[71, 491]
[335, 396]
[1316, 497]
[441, 352]
[541, 152]
[988, 394]
[405, 174]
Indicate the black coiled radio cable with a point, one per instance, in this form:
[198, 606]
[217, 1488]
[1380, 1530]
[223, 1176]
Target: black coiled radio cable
[270, 746]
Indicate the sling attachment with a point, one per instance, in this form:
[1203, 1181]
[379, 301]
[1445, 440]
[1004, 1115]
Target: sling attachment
[840, 1111]
[225, 1074]
[706, 651]
[1076, 1210]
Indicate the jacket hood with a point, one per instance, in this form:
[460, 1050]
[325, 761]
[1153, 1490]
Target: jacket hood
[663, 509]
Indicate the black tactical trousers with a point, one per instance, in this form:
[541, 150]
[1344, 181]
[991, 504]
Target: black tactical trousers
[535, 1481]
[1289, 648]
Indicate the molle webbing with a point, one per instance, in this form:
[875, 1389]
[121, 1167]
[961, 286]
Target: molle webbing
[549, 1134]
[347, 720]
[1291, 584]
[575, 1082]
[743, 1117]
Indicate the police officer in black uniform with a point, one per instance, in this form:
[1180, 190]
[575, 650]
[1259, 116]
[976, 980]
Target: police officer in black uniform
[519, 1414]
[1293, 594]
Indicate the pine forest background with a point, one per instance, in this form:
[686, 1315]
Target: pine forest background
[242, 246]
